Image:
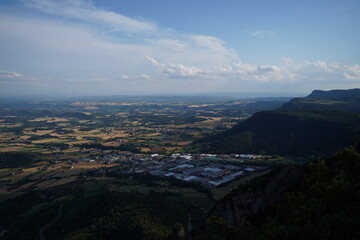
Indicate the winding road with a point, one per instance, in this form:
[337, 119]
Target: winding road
[42, 230]
[189, 225]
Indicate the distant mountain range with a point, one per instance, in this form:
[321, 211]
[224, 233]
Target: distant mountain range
[320, 123]
[339, 100]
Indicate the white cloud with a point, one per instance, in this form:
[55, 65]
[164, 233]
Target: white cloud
[14, 77]
[351, 77]
[267, 68]
[68, 45]
[174, 45]
[10, 75]
[136, 77]
[65, 48]
[288, 72]
[263, 34]
[213, 44]
[86, 80]
[86, 11]
[105, 79]
[154, 62]
[179, 70]
[352, 73]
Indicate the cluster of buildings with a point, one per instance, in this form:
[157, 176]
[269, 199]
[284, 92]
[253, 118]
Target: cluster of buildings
[206, 169]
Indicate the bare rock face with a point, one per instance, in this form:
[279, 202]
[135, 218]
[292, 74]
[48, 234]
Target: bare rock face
[247, 204]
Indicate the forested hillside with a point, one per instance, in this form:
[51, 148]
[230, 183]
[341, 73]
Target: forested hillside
[303, 126]
[326, 205]
[339, 100]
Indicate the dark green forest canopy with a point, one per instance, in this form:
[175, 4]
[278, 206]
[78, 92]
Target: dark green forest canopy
[288, 132]
[321, 123]
[16, 159]
[109, 215]
[326, 205]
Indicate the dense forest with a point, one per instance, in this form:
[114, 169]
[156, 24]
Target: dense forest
[315, 125]
[283, 132]
[16, 159]
[325, 205]
[338, 100]
[89, 213]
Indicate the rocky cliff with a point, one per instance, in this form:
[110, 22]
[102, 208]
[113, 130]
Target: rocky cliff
[248, 204]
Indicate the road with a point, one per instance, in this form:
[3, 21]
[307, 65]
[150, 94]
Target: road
[42, 230]
[189, 225]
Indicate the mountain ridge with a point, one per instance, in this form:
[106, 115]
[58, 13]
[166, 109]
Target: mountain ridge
[335, 94]
[298, 127]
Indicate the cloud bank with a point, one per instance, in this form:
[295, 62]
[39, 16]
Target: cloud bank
[287, 72]
[72, 43]
[86, 11]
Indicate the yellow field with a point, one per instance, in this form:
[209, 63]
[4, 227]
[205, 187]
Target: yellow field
[89, 104]
[24, 137]
[26, 186]
[55, 135]
[45, 184]
[184, 143]
[49, 119]
[55, 182]
[106, 137]
[42, 163]
[78, 142]
[10, 125]
[195, 134]
[71, 150]
[91, 108]
[86, 165]
[62, 181]
[31, 170]
[172, 149]
[201, 105]
[6, 136]
[46, 140]
[51, 151]
[43, 132]
[63, 124]
[111, 144]
[11, 149]
[38, 132]
[153, 134]
[93, 132]
[145, 149]
[17, 177]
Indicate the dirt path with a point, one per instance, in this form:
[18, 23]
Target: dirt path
[42, 230]
[189, 225]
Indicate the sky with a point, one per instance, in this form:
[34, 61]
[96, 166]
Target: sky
[107, 47]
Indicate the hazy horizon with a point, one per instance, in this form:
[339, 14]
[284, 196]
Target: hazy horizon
[239, 95]
[98, 48]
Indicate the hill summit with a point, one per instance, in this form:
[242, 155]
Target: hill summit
[320, 123]
[336, 94]
[338, 100]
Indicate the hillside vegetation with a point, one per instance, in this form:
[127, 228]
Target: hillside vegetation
[339, 100]
[15, 159]
[90, 210]
[311, 125]
[326, 205]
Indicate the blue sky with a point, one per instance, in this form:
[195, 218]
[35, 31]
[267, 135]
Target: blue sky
[82, 47]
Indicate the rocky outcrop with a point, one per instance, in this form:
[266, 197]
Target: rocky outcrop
[248, 204]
